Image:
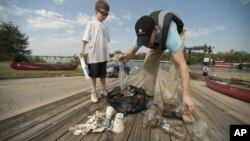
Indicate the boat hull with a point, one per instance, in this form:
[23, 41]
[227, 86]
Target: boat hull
[32, 66]
[233, 91]
[223, 64]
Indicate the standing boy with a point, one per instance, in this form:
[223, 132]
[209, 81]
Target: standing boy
[97, 35]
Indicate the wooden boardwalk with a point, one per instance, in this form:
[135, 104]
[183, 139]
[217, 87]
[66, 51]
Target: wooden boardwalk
[52, 122]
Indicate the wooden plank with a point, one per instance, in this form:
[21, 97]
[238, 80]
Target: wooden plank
[136, 129]
[23, 117]
[39, 128]
[128, 122]
[68, 136]
[58, 130]
[38, 117]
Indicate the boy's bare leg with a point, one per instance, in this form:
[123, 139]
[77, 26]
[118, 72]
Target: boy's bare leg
[93, 93]
[104, 90]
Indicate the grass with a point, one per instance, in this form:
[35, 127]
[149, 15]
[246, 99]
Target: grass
[6, 70]
[228, 75]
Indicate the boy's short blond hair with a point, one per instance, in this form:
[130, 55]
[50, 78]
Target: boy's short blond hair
[101, 4]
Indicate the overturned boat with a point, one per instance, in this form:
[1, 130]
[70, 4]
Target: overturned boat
[27, 65]
[239, 89]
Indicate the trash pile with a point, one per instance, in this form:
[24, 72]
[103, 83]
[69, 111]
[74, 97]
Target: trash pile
[126, 98]
[171, 121]
[100, 122]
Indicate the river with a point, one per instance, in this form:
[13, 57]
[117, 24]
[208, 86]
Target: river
[138, 65]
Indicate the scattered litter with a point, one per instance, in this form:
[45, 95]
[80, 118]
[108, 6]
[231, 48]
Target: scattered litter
[95, 123]
[166, 128]
[171, 121]
[99, 123]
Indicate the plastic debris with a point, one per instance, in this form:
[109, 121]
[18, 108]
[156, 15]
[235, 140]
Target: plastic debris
[199, 130]
[118, 125]
[95, 123]
[188, 117]
[166, 128]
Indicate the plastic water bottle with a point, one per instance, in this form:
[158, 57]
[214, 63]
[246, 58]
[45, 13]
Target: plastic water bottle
[152, 111]
[145, 119]
[199, 130]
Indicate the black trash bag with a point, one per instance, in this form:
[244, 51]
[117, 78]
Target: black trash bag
[128, 104]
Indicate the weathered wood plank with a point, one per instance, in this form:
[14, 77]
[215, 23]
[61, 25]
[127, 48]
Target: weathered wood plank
[128, 122]
[135, 133]
[63, 127]
[39, 128]
[90, 111]
[31, 121]
[36, 112]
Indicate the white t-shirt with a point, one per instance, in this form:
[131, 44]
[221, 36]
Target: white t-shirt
[97, 35]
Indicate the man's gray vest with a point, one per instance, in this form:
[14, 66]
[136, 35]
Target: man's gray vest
[163, 18]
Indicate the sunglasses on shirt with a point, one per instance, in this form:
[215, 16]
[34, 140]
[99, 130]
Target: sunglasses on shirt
[104, 13]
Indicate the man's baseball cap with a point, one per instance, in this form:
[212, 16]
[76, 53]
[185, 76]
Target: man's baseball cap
[143, 28]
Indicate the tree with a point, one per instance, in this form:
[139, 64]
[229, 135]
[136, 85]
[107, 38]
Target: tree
[13, 43]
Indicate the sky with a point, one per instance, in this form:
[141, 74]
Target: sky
[55, 27]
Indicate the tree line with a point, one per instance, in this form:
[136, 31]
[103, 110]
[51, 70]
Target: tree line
[14, 46]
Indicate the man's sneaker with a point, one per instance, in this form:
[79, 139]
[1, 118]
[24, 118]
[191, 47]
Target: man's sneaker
[104, 92]
[94, 98]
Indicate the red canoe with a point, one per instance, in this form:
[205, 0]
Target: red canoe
[222, 64]
[237, 91]
[26, 65]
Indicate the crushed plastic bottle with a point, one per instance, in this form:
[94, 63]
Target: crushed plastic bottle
[172, 122]
[152, 112]
[152, 117]
[179, 110]
[199, 130]
[166, 128]
[145, 119]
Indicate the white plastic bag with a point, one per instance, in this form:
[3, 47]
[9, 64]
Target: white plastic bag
[84, 67]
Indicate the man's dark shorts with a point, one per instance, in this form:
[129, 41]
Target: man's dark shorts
[97, 70]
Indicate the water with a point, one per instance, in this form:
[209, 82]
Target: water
[138, 66]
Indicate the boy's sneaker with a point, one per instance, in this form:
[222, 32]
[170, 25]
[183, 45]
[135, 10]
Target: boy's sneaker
[94, 98]
[104, 92]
